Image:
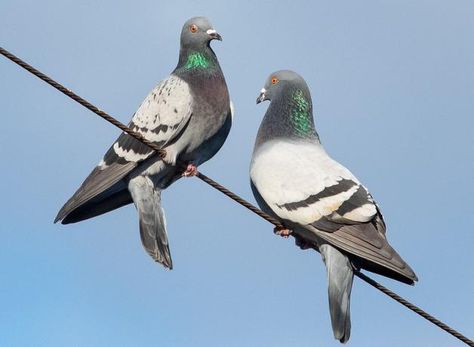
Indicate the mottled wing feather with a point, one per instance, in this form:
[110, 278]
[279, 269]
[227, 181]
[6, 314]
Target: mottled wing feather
[160, 118]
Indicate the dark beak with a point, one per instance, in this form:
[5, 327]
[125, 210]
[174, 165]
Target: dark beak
[214, 35]
[262, 96]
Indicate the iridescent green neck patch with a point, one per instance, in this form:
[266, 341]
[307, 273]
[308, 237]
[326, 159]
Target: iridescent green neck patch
[197, 60]
[300, 114]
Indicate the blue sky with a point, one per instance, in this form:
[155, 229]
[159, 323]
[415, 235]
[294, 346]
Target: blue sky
[393, 89]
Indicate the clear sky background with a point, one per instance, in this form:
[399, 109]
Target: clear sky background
[393, 89]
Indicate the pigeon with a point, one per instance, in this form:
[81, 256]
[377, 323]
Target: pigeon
[317, 199]
[188, 115]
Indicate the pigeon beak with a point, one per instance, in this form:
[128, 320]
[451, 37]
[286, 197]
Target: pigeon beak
[214, 35]
[262, 96]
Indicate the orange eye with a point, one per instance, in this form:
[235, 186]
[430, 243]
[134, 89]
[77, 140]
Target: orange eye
[275, 80]
[193, 28]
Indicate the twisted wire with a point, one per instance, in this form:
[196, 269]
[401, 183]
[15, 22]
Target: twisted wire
[225, 191]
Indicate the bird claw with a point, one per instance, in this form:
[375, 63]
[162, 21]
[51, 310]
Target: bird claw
[191, 170]
[283, 232]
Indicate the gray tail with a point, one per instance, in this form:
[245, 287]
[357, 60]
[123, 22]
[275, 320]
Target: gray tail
[147, 200]
[340, 276]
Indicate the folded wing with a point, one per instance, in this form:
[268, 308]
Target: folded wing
[161, 118]
[308, 188]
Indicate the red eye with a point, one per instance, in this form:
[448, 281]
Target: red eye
[193, 28]
[275, 80]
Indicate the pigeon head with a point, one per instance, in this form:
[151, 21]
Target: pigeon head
[197, 33]
[196, 54]
[279, 82]
[290, 113]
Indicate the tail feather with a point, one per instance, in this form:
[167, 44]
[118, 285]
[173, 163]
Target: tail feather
[153, 234]
[340, 276]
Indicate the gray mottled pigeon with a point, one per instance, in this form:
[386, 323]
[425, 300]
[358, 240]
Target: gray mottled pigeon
[294, 179]
[188, 115]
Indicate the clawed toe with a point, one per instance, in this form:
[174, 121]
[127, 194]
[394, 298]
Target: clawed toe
[191, 170]
[283, 232]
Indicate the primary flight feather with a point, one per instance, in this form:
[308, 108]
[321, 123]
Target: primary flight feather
[322, 202]
[188, 115]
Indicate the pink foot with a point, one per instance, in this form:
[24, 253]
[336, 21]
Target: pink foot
[191, 170]
[283, 232]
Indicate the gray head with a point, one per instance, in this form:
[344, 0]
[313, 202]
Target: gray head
[290, 113]
[279, 82]
[197, 33]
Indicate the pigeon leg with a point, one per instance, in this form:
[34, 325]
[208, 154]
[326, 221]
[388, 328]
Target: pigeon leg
[283, 232]
[191, 170]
